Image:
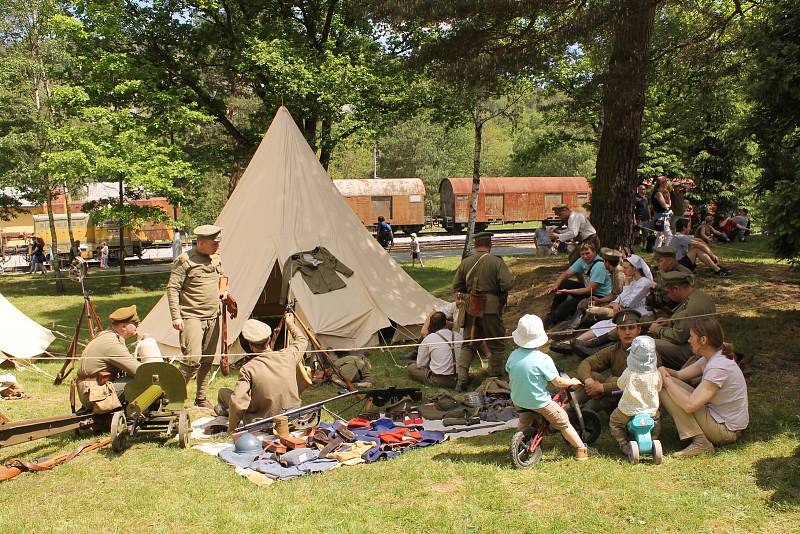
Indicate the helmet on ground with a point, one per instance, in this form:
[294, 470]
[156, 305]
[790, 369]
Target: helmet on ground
[247, 443]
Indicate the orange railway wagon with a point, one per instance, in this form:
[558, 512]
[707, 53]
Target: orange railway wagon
[401, 201]
[510, 199]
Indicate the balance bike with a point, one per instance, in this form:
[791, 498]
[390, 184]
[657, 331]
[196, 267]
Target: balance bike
[641, 442]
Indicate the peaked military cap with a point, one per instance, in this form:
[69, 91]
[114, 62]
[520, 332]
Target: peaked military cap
[127, 314]
[610, 254]
[208, 231]
[627, 316]
[664, 251]
[483, 236]
[559, 207]
[256, 332]
[673, 278]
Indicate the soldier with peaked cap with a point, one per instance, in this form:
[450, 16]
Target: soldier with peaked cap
[657, 301]
[672, 334]
[105, 365]
[486, 280]
[579, 230]
[267, 384]
[196, 286]
[600, 371]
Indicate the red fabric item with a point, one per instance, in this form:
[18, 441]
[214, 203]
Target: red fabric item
[357, 422]
[414, 421]
[400, 435]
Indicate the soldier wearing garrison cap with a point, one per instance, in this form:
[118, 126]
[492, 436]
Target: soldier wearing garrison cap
[579, 230]
[672, 334]
[196, 286]
[105, 365]
[657, 301]
[600, 371]
[267, 384]
[486, 280]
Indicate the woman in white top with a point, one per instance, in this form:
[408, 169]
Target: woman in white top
[639, 280]
[716, 411]
[662, 208]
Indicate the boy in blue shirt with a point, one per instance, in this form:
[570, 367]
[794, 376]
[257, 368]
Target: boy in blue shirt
[529, 372]
[595, 282]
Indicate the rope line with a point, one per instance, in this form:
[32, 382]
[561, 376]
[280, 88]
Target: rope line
[409, 345]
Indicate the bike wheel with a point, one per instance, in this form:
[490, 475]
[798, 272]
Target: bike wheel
[658, 452]
[592, 426]
[633, 455]
[520, 448]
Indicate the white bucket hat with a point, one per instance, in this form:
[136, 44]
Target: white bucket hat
[530, 332]
[147, 350]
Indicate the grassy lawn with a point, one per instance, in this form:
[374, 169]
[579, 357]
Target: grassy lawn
[462, 486]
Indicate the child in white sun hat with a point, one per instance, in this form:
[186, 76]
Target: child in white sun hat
[529, 372]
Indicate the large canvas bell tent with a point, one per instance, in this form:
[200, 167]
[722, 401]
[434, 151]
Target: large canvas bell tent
[285, 203]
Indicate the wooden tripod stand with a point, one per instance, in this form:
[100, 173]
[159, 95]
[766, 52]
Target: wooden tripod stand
[95, 327]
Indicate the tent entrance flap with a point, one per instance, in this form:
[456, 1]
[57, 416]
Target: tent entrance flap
[267, 304]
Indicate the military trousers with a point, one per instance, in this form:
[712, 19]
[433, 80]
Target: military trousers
[423, 375]
[673, 356]
[355, 368]
[564, 304]
[199, 342]
[490, 325]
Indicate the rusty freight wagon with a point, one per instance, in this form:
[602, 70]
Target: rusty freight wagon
[401, 201]
[510, 199]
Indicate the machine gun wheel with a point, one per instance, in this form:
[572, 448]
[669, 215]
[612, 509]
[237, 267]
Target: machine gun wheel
[119, 432]
[184, 430]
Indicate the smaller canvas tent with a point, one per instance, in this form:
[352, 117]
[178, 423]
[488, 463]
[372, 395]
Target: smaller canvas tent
[286, 203]
[20, 337]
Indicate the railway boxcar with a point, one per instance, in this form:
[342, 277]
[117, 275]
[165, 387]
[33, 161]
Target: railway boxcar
[401, 201]
[510, 199]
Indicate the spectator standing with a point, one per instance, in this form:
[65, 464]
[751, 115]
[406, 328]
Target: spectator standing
[641, 212]
[662, 211]
[541, 238]
[104, 253]
[415, 251]
[385, 234]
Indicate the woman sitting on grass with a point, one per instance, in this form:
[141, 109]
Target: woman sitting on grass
[716, 411]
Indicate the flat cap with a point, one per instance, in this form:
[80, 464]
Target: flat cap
[674, 278]
[559, 207]
[256, 332]
[610, 254]
[483, 236]
[627, 316]
[127, 314]
[664, 251]
[209, 231]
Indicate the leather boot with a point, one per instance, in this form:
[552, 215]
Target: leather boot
[584, 349]
[461, 386]
[203, 376]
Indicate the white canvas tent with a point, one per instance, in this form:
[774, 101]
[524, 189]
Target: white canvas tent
[20, 337]
[286, 203]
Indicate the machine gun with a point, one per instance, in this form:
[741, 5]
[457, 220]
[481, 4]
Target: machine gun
[309, 415]
[157, 399]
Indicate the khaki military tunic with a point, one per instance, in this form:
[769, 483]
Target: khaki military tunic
[490, 275]
[193, 287]
[672, 340]
[355, 368]
[267, 384]
[106, 352]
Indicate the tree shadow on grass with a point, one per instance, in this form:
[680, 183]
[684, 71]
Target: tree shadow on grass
[781, 475]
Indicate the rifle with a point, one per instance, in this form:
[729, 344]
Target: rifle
[379, 397]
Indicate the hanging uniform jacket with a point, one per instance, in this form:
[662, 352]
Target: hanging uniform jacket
[318, 268]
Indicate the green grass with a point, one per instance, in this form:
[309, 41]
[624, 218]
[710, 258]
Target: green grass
[462, 486]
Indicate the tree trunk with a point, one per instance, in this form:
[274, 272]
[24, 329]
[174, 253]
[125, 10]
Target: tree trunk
[325, 145]
[54, 243]
[68, 212]
[123, 280]
[623, 105]
[476, 180]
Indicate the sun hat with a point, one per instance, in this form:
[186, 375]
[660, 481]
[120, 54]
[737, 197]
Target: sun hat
[530, 332]
[642, 355]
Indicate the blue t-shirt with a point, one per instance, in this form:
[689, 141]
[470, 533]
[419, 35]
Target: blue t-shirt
[529, 372]
[599, 274]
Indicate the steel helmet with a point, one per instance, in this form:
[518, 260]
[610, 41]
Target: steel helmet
[247, 443]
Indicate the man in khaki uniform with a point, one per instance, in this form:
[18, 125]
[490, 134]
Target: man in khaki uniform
[105, 365]
[600, 371]
[195, 287]
[672, 334]
[357, 368]
[483, 273]
[657, 301]
[267, 384]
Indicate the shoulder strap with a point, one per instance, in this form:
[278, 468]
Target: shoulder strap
[466, 278]
[591, 267]
[452, 343]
